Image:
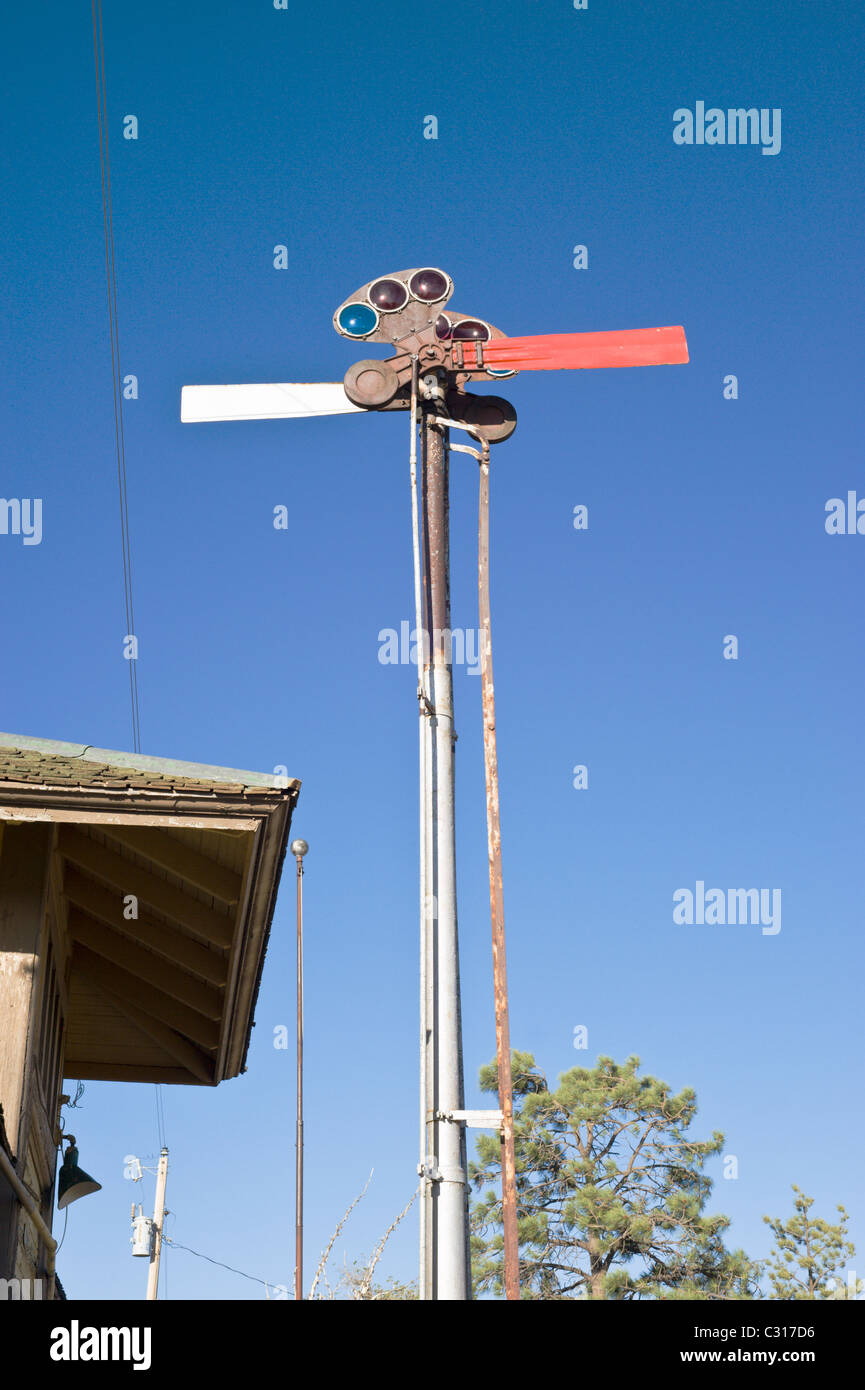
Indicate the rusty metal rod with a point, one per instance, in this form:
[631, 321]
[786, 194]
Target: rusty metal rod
[497, 912]
[298, 1217]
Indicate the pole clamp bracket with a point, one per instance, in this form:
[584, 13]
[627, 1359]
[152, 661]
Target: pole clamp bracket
[473, 1119]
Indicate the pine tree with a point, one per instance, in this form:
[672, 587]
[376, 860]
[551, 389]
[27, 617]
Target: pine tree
[610, 1191]
[808, 1259]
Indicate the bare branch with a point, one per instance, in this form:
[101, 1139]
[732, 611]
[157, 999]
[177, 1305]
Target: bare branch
[366, 1282]
[326, 1254]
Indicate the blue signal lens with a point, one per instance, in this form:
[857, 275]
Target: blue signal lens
[357, 320]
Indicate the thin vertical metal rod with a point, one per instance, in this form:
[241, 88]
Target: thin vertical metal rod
[423, 829]
[428, 914]
[298, 1219]
[428, 925]
[158, 1222]
[446, 1138]
[497, 911]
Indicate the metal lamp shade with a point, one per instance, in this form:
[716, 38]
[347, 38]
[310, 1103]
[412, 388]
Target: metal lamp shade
[74, 1182]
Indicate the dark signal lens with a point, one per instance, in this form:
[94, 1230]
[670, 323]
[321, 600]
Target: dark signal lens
[429, 285]
[443, 326]
[388, 295]
[472, 331]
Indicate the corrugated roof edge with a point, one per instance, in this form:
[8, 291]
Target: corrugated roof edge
[113, 757]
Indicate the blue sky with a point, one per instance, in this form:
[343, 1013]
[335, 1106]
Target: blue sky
[259, 647]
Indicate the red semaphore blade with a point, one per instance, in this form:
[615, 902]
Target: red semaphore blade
[631, 347]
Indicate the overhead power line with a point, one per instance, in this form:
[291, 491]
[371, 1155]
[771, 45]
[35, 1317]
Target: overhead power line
[117, 391]
[268, 1284]
[111, 283]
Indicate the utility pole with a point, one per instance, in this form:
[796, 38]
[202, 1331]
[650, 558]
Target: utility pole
[444, 1259]
[158, 1219]
[299, 849]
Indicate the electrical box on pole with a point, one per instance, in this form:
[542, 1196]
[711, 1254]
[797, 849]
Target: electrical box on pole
[142, 1234]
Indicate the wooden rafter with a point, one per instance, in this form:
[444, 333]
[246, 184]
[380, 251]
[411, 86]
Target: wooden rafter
[171, 1042]
[150, 1002]
[165, 849]
[129, 878]
[107, 906]
[144, 965]
[118, 1071]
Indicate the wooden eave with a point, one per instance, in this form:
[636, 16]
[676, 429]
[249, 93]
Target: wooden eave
[166, 995]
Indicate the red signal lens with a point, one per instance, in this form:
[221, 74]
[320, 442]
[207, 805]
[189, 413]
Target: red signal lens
[429, 285]
[471, 331]
[388, 295]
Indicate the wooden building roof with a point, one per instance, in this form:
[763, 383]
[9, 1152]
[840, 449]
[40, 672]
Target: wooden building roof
[164, 880]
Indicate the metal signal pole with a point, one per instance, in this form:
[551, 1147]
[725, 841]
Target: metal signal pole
[158, 1219]
[445, 1258]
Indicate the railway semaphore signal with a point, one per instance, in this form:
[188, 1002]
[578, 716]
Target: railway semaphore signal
[437, 354]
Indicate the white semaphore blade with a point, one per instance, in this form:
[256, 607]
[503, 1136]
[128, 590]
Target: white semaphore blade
[277, 400]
